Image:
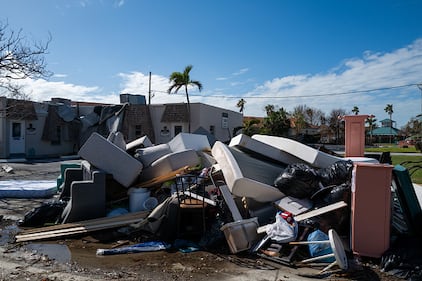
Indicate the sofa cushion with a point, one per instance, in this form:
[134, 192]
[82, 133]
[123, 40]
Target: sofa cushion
[148, 155]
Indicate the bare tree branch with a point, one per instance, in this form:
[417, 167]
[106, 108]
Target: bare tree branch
[20, 59]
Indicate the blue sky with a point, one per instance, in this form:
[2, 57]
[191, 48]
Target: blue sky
[326, 54]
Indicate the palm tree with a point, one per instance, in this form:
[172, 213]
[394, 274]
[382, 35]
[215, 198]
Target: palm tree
[182, 79]
[355, 110]
[389, 110]
[241, 104]
[371, 121]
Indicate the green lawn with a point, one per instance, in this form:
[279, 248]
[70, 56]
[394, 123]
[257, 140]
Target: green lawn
[415, 161]
[399, 159]
[391, 148]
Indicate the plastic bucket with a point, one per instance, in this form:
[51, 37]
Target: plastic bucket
[137, 198]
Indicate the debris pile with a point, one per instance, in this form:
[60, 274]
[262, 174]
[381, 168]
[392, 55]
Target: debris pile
[271, 197]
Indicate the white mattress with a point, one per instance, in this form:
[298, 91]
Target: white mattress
[28, 188]
[302, 151]
[249, 144]
[246, 176]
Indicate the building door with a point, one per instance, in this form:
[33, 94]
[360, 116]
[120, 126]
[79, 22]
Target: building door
[17, 136]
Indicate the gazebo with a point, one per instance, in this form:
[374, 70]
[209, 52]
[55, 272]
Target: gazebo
[384, 134]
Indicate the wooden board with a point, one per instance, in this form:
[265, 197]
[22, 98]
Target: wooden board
[163, 178]
[64, 230]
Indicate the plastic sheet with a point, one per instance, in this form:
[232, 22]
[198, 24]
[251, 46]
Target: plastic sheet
[137, 248]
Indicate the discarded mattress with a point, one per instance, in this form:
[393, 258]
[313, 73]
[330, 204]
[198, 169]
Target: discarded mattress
[246, 176]
[28, 188]
[254, 146]
[302, 151]
[307, 154]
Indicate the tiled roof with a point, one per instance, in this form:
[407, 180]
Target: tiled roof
[20, 110]
[385, 131]
[175, 113]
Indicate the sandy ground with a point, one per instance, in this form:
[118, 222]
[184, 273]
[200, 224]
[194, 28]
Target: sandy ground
[76, 259]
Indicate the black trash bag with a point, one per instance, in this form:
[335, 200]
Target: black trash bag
[47, 213]
[404, 258]
[338, 219]
[331, 194]
[298, 180]
[337, 173]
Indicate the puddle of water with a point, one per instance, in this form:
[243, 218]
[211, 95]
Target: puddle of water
[59, 253]
[7, 234]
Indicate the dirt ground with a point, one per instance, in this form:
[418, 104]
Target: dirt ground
[76, 259]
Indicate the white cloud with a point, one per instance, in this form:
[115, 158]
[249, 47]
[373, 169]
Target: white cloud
[372, 71]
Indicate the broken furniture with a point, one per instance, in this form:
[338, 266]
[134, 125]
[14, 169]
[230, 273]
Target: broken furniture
[110, 158]
[241, 234]
[338, 251]
[63, 167]
[138, 143]
[407, 213]
[371, 209]
[191, 217]
[165, 158]
[85, 190]
[246, 176]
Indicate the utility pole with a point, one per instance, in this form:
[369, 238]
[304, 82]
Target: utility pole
[149, 89]
[420, 88]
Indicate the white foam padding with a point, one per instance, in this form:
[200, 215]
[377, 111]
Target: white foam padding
[185, 141]
[169, 163]
[113, 160]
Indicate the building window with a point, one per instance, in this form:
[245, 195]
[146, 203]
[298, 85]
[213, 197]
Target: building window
[57, 140]
[212, 130]
[16, 130]
[177, 130]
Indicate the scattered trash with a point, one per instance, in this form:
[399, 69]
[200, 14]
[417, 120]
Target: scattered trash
[137, 248]
[7, 168]
[189, 196]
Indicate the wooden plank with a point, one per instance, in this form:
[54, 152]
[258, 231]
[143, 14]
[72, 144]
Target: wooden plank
[163, 178]
[200, 198]
[88, 225]
[141, 214]
[310, 214]
[320, 211]
[72, 231]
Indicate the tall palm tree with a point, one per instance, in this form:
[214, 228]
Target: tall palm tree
[371, 121]
[389, 110]
[241, 104]
[182, 79]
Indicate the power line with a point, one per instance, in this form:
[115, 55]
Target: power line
[303, 96]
